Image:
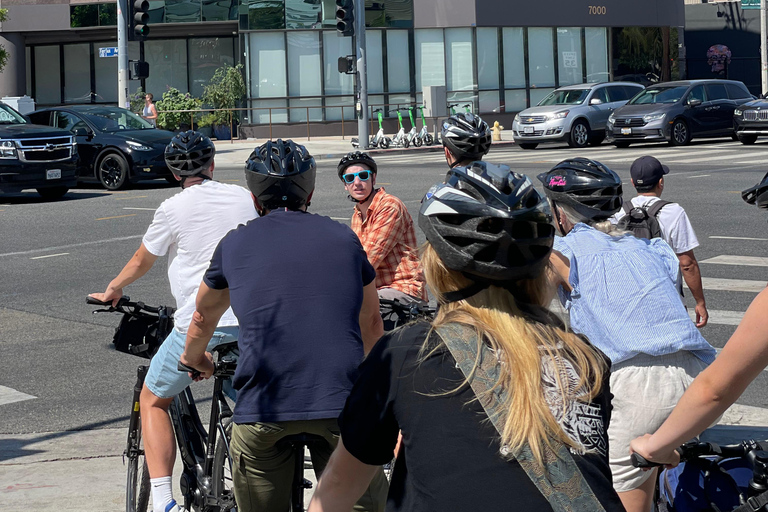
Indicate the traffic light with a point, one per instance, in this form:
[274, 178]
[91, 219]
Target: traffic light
[139, 70]
[347, 64]
[345, 17]
[139, 17]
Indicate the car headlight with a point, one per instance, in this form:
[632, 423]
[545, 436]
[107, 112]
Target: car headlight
[138, 146]
[737, 112]
[7, 149]
[559, 115]
[653, 117]
[517, 118]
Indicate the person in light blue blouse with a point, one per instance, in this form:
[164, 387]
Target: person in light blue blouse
[620, 291]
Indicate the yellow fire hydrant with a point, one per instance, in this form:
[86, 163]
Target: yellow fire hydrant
[496, 130]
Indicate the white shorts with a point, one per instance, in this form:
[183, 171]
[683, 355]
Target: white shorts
[645, 390]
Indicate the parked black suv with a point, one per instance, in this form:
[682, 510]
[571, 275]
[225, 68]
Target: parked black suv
[677, 112]
[751, 120]
[32, 156]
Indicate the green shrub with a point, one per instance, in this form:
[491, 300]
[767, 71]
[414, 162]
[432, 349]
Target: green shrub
[173, 99]
[137, 101]
[225, 90]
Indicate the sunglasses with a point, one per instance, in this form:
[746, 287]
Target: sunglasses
[350, 178]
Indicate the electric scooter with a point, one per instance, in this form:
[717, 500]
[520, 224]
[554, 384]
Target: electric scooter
[424, 134]
[379, 139]
[413, 135]
[400, 139]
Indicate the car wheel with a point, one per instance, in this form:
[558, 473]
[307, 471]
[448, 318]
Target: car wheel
[747, 139]
[112, 171]
[681, 135]
[622, 145]
[52, 193]
[527, 145]
[579, 136]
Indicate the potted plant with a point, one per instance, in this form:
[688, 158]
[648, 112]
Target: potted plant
[173, 99]
[225, 91]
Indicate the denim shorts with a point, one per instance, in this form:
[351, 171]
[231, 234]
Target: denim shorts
[164, 379]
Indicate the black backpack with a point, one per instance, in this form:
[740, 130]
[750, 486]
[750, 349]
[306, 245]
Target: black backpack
[641, 220]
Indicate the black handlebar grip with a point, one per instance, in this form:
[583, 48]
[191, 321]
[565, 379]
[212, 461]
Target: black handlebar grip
[184, 368]
[96, 302]
[639, 461]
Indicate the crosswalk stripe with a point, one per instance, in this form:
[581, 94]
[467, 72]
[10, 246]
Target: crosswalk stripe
[10, 395]
[732, 285]
[749, 261]
[720, 317]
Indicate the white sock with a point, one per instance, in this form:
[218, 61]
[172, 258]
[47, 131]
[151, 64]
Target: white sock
[162, 493]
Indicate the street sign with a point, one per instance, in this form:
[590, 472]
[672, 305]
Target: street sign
[750, 4]
[110, 51]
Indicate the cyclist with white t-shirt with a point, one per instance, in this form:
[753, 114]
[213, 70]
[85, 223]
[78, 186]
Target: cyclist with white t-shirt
[647, 175]
[187, 227]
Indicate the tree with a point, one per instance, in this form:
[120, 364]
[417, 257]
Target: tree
[3, 52]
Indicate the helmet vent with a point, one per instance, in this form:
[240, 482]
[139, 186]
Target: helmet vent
[491, 225]
[487, 254]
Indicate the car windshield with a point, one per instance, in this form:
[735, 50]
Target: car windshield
[659, 95]
[9, 116]
[115, 119]
[565, 97]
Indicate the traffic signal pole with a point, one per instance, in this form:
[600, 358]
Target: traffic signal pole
[362, 74]
[123, 12]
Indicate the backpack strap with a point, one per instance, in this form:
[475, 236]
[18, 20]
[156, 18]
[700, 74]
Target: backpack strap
[561, 481]
[656, 207]
[754, 504]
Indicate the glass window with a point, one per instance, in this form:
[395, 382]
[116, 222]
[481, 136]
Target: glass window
[515, 100]
[630, 91]
[458, 44]
[397, 101]
[266, 111]
[183, 11]
[697, 93]
[67, 121]
[267, 73]
[168, 65]
[565, 97]
[219, 10]
[662, 94]
[716, 92]
[334, 114]
[489, 101]
[601, 95]
[737, 93]
[569, 56]
[514, 57]
[398, 61]
[541, 61]
[262, 15]
[48, 75]
[304, 64]
[303, 14]
[108, 15]
[430, 57]
[538, 95]
[77, 73]
[112, 119]
[392, 13]
[84, 15]
[106, 75]
[299, 114]
[616, 93]
[374, 62]
[596, 45]
[42, 118]
[333, 47]
[462, 101]
[488, 59]
[205, 57]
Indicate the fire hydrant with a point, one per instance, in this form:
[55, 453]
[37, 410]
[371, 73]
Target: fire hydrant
[496, 130]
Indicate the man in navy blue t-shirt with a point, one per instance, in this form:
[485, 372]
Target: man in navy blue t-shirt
[305, 297]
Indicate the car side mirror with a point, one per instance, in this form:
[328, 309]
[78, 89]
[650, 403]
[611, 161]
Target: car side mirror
[694, 103]
[595, 101]
[80, 132]
[27, 118]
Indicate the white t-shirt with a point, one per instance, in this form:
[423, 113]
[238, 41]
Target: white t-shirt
[188, 227]
[676, 229]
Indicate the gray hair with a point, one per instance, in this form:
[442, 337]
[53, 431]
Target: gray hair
[605, 226]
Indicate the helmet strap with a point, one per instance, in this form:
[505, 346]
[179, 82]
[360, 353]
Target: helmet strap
[464, 293]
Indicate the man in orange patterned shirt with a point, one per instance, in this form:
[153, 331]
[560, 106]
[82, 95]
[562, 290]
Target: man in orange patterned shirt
[385, 228]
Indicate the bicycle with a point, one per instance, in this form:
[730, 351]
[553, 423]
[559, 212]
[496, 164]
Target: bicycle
[714, 477]
[206, 482]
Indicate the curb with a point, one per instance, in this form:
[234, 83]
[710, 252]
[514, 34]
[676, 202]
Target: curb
[396, 151]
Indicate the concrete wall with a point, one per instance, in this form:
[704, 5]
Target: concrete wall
[36, 17]
[444, 13]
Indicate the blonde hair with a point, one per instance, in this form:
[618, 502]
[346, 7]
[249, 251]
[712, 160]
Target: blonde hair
[520, 344]
[606, 226]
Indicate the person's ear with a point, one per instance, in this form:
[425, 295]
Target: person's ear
[448, 155]
[632, 182]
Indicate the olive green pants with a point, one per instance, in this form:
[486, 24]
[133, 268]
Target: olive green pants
[263, 468]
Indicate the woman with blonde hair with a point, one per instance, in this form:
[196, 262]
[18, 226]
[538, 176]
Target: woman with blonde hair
[499, 406]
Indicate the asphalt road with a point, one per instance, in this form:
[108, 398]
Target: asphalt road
[54, 253]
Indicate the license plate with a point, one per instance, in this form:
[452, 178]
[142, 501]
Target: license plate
[528, 129]
[53, 174]
[626, 131]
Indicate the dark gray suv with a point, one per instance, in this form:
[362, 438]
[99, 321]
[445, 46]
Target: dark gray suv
[677, 112]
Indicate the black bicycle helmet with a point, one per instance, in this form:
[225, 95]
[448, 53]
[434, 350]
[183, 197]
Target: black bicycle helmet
[758, 194]
[488, 223]
[589, 187]
[467, 136]
[281, 173]
[189, 153]
[356, 157]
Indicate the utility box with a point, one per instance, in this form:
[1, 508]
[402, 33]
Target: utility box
[23, 104]
[435, 101]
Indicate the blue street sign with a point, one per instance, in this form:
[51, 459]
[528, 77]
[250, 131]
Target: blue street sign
[110, 51]
[750, 4]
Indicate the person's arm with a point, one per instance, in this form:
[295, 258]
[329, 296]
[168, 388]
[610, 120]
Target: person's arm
[385, 232]
[136, 267]
[692, 276]
[152, 111]
[716, 388]
[371, 325]
[344, 480]
[209, 307]
[559, 270]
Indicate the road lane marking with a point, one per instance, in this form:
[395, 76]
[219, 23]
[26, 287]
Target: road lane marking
[131, 197]
[49, 256]
[739, 238]
[230, 181]
[117, 216]
[699, 176]
[748, 261]
[136, 208]
[10, 395]
[70, 246]
[340, 218]
[732, 285]
[720, 317]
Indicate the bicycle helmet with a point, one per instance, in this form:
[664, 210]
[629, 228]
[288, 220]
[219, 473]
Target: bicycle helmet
[589, 187]
[488, 223]
[189, 153]
[758, 194]
[467, 136]
[356, 157]
[281, 173]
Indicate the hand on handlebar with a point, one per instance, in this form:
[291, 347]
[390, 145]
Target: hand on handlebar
[639, 446]
[110, 295]
[204, 366]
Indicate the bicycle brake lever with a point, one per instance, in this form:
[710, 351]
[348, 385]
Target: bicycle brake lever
[184, 368]
[639, 461]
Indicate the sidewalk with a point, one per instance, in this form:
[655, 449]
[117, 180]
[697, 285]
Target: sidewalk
[84, 471]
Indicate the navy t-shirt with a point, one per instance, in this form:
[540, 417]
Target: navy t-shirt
[296, 286]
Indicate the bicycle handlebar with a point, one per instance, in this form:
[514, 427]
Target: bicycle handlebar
[695, 449]
[124, 305]
[223, 368]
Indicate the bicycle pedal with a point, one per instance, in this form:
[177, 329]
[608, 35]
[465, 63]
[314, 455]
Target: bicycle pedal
[306, 484]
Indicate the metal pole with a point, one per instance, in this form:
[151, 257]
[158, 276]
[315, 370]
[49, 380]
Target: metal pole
[362, 73]
[122, 53]
[764, 46]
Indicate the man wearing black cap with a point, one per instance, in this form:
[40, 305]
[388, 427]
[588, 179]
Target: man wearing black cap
[648, 179]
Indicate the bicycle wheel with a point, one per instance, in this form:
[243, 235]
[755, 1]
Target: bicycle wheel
[137, 489]
[221, 477]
